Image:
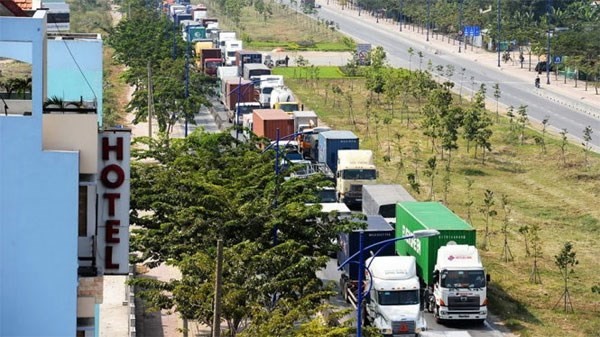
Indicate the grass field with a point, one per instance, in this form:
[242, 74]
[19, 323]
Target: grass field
[329, 72]
[285, 29]
[560, 198]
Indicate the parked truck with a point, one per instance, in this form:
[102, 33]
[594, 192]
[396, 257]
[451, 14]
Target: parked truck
[448, 264]
[283, 98]
[330, 142]
[265, 85]
[381, 199]
[355, 168]
[235, 90]
[229, 50]
[210, 60]
[198, 47]
[242, 109]
[255, 69]
[266, 122]
[393, 304]
[243, 57]
[376, 230]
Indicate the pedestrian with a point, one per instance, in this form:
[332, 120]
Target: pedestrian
[537, 81]
[287, 60]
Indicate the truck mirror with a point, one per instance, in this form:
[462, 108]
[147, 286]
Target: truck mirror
[436, 275]
[488, 278]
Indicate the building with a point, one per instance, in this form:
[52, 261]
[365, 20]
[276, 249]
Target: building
[64, 184]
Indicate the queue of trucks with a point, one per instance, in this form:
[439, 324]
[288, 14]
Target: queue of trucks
[442, 274]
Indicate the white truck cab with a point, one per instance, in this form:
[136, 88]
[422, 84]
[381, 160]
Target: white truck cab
[355, 168]
[460, 287]
[393, 304]
[265, 84]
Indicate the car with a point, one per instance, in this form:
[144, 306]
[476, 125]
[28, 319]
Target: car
[317, 6]
[542, 67]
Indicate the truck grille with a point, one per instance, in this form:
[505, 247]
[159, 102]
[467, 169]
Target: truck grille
[403, 327]
[463, 303]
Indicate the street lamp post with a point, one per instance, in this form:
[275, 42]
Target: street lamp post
[428, 18]
[361, 267]
[499, 33]
[187, 75]
[460, 27]
[400, 15]
[548, 9]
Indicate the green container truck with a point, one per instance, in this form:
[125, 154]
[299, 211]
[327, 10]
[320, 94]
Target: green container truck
[443, 258]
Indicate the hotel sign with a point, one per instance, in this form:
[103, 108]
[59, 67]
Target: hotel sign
[113, 202]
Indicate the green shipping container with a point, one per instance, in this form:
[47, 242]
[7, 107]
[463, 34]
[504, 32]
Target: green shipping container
[414, 215]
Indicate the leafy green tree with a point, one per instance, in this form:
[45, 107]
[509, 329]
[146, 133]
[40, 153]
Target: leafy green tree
[565, 261]
[506, 221]
[563, 146]
[430, 172]
[488, 211]
[522, 120]
[587, 138]
[536, 247]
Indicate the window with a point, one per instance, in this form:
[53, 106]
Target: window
[83, 204]
[406, 297]
[359, 174]
[463, 279]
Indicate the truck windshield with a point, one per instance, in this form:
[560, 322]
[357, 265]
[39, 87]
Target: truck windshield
[288, 107]
[327, 195]
[388, 211]
[359, 174]
[267, 90]
[398, 297]
[463, 279]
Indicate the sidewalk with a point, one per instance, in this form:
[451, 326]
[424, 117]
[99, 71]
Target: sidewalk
[565, 94]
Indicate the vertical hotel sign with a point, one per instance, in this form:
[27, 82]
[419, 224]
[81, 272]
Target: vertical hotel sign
[113, 202]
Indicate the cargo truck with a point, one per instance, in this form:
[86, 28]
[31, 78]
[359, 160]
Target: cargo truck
[229, 50]
[381, 199]
[254, 70]
[377, 230]
[243, 57]
[332, 141]
[265, 85]
[355, 168]
[210, 60]
[448, 264]
[235, 90]
[241, 109]
[393, 303]
[266, 122]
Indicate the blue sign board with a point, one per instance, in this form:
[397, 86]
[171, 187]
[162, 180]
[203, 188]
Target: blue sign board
[476, 31]
[468, 31]
[557, 59]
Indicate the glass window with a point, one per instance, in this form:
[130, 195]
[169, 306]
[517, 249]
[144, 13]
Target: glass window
[398, 297]
[359, 174]
[83, 201]
[388, 211]
[463, 279]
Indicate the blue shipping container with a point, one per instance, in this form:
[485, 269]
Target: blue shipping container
[332, 141]
[377, 230]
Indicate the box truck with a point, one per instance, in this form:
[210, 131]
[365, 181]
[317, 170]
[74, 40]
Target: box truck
[266, 122]
[355, 168]
[332, 141]
[448, 264]
[381, 199]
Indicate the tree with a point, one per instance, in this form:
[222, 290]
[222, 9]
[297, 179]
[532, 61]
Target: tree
[566, 261]
[488, 211]
[536, 247]
[522, 120]
[587, 138]
[430, 171]
[563, 146]
[506, 253]
[497, 94]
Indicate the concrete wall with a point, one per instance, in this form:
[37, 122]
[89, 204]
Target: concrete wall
[38, 211]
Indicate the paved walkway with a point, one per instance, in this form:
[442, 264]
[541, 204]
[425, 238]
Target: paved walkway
[576, 98]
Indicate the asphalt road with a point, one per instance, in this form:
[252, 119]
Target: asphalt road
[514, 91]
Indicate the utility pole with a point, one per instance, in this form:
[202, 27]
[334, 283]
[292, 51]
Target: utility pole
[548, 9]
[428, 18]
[400, 15]
[499, 34]
[460, 27]
[216, 328]
[150, 106]
[187, 76]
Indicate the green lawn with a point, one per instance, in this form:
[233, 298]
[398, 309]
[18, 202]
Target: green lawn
[329, 72]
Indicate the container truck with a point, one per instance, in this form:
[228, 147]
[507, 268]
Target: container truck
[448, 264]
[265, 85]
[210, 60]
[242, 109]
[376, 230]
[255, 69]
[226, 71]
[355, 168]
[243, 57]
[393, 303]
[180, 17]
[332, 141]
[206, 21]
[230, 49]
[265, 123]
[225, 36]
[381, 199]
[236, 90]
[199, 13]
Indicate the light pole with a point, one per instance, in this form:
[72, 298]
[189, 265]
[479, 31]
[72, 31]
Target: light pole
[361, 267]
[460, 27]
[428, 18]
[400, 18]
[187, 75]
[548, 9]
[499, 34]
